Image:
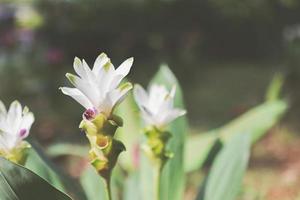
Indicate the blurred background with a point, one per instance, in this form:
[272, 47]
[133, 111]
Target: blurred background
[224, 54]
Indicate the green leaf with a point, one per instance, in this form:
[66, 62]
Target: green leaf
[256, 122]
[93, 184]
[132, 185]
[36, 164]
[129, 134]
[227, 172]
[65, 149]
[275, 86]
[197, 149]
[42, 166]
[19, 183]
[173, 177]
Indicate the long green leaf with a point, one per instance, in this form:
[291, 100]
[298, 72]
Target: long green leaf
[132, 185]
[274, 88]
[172, 179]
[42, 166]
[197, 149]
[226, 175]
[93, 184]
[66, 149]
[19, 183]
[256, 122]
[129, 134]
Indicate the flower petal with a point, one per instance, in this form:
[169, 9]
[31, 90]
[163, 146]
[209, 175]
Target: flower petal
[101, 60]
[7, 141]
[106, 75]
[125, 67]
[140, 95]
[117, 96]
[2, 108]
[26, 123]
[89, 90]
[172, 115]
[14, 116]
[77, 96]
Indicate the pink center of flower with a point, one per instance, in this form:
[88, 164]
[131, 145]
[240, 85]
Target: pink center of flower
[90, 114]
[22, 132]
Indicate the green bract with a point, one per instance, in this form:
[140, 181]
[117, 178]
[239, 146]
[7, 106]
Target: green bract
[156, 146]
[104, 148]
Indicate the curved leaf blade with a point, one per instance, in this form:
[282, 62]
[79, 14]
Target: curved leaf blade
[257, 121]
[227, 172]
[43, 167]
[93, 184]
[19, 183]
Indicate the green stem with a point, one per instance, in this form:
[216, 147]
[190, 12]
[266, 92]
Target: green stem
[157, 176]
[108, 187]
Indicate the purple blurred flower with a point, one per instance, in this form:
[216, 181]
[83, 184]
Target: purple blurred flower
[54, 56]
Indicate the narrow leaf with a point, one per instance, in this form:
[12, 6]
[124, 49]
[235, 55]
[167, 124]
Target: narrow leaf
[93, 184]
[256, 122]
[226, 175]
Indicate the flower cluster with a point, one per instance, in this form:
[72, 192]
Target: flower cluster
[99, 91]
[157, 110]
[15, 125]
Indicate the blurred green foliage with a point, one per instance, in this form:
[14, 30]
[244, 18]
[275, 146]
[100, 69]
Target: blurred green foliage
[209, 44]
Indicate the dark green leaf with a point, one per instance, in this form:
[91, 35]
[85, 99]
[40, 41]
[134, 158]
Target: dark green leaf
[19, 183]
[42, 166]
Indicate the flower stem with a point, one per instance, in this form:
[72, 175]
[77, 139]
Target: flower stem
[108, 187]
[157, 175]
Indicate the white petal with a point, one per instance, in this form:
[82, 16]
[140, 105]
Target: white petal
[173, 91]
[173, 114]
[101, 60]
[107, 74]
[120, 73]
[125, 67]
[140, 95]
[77, 96]
[115, 81]
[26, 123]
[147, 116]
[77, 65]
[89, 90]
[117, 96]
[2, 108]
[157, 96]
[14, 115]
[8, 141]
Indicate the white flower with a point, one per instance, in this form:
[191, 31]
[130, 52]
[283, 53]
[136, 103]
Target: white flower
[98, 90]
[15, 125]
[157, 107]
